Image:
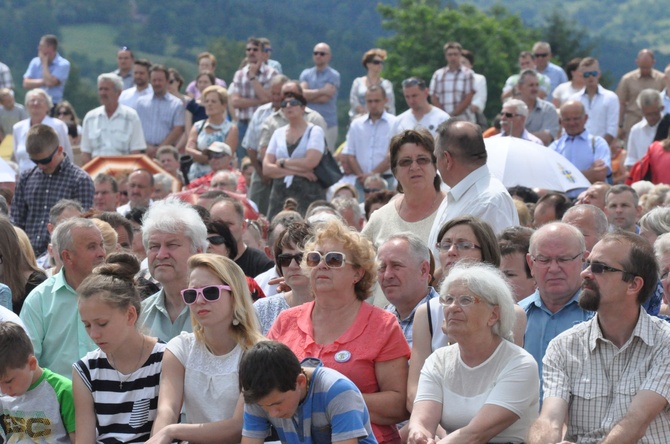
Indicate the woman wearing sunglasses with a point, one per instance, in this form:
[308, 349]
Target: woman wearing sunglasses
[361, 341]
[216, 128]
[415, 168]
[289, 251]
[293, 153]
[373, 62]
[116, 386]
[483, 388]
[200, 368]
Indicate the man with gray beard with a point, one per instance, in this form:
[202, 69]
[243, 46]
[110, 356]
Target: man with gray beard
[608, 375]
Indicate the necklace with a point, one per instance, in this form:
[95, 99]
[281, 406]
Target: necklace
[430, 209]
[139, 358]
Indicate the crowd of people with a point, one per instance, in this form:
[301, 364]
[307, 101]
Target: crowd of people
[225, 293]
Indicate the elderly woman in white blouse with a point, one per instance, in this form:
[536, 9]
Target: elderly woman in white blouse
[484, 388]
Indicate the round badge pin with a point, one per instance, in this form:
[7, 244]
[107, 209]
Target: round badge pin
[343, 356]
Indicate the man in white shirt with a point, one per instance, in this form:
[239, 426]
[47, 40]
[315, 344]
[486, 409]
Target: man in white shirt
[111, 129]
[420, 112]
[513, 121]
[142, 87]
[368, 139]
[642, 133]
[461, 160]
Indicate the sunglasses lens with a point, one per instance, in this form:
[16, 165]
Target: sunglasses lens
[189, 296]
[211, 293]
[313, 259]
[335, 260]
[216, 240]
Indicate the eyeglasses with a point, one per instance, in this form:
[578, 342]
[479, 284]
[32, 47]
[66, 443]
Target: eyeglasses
[333, 259]
[267, 50]
[544, 262]
[509, 115]
[408, 161]
[292, 102]
[463, 301]
[64, 112]
[588, 74]
[252, 49]
[46, 160]
[320, 53]
[600, 268]
[460, 246]
[210, 293]
[541, 54]
[213, 155]
[376, 62]
[217, 240]
[284, 259]
[413, 81]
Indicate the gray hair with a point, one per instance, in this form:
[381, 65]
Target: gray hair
[113, 78]
[488, 283]
[572, 231]
[526, 73]
[649, 97]
[519, 105]
[61, 238]
[601, 224]
[417, 247]
[657, 220]
[4, 206]
[230, 177]
[662, 246]
[342, 203]
[174, 216]
[60, 206]
[164, 181]
[375, 177]
[36, 92]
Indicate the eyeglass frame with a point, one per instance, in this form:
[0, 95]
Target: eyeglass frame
[472, 246]
[46, 160]
[324, 258]
[200, 291]
[604, 268]
[560, 261]
[457, 300]
[298, 257]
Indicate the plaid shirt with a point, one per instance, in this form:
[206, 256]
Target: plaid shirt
[243, 86]
[37, 192]
[599, 381]
[451, 86]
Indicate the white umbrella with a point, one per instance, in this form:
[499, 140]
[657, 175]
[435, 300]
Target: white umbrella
[517, 161]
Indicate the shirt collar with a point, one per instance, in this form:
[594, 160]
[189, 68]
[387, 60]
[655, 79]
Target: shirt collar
[431, 293]
[61, 282]
[642, 330]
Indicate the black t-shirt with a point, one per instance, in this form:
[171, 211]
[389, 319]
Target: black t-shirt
[254, 262]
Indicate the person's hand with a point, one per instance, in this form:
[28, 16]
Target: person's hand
[162, 437]
[597, 171]
[419, 438]
[310, 176]
[281, 284]
[44, 59]
[253, 68]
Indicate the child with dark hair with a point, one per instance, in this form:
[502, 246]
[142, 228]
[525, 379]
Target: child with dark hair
[305, 401]
[35, 403]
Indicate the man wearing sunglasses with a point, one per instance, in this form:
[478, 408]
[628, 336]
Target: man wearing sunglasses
[608, 377]
[320, 85]
[542, 56]
[53, 178]
[601, 105]
[513, 121]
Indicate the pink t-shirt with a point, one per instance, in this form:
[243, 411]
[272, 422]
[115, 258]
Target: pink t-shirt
[375, 336]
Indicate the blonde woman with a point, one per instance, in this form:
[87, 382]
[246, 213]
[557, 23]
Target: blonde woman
[200, 369]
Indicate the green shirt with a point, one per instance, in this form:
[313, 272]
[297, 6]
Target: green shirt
[155, 319]
[52, 320]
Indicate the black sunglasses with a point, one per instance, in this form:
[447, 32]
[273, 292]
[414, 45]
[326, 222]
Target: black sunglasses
[292, 102]
[46, 160]
[376, 62]
[508, 115]
[284, 259]
[320, 53]
[217, 240]
[211, 293]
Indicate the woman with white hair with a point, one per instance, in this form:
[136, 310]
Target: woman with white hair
[38, 103]
[654, 223]
[484, 388]
[662, 250]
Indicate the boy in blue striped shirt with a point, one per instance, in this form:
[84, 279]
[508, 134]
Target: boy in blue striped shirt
[305, 402]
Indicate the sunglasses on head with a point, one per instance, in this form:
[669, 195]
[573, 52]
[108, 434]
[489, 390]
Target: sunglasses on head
[413, 82]
[210, 293]
[292, 102]
[46, 160]
[333, 259]
[284, 259]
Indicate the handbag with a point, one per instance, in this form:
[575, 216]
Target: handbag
[328, 171]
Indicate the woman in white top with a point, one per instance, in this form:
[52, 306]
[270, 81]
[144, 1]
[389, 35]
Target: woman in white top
[574, 84]
[200, 369]
[293, 153]
[373, 62]
[484, 388]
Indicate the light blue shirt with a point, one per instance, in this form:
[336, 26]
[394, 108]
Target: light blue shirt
[407, 323]
[317, 80]
[155, 318]
[543, 325]
[52, 320]
[555, 74]
[5, 297]
[159, 115]
[59, 68]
